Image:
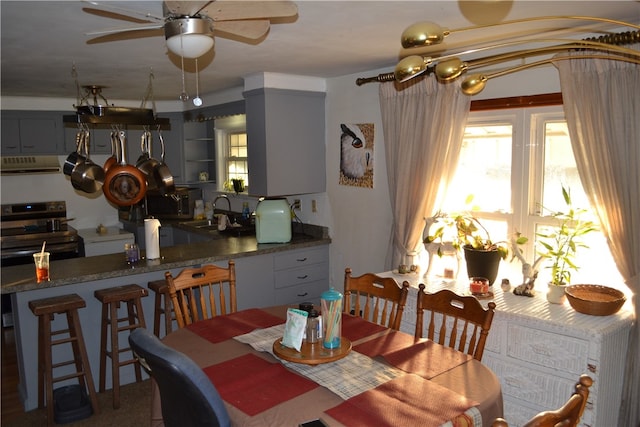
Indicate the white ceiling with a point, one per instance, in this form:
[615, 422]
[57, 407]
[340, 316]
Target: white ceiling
[42, 40]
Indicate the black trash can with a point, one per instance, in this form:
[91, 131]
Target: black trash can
[71, 403]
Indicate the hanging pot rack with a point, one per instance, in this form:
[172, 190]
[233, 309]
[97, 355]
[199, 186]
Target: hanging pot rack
[101, 113]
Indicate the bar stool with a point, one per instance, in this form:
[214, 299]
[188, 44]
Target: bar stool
[46, 309]
[162, 306]
[111, 298]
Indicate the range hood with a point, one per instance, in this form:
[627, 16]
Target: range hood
[11, 165]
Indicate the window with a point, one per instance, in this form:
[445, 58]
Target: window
[231, 147]
[237, 157]
[514, 162]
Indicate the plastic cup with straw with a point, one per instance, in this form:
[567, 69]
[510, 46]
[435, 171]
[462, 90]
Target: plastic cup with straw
[331, 304]
[42, 264]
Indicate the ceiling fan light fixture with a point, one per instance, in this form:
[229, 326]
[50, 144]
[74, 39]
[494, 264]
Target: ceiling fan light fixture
[189, 37]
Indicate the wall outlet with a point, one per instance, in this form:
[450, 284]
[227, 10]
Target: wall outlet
[296, 205]
[314, 206]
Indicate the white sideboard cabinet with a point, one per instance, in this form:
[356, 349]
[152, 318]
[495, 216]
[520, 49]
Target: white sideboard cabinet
[538, 350]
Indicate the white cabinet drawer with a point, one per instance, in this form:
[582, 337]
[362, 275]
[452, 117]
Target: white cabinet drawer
[296, 294]
[547, 349]
[298, 276]
[301, 258]
[548, 391]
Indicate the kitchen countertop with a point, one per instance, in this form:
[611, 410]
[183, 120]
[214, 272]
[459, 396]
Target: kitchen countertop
[21, 278]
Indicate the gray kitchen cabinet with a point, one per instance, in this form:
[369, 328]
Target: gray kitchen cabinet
[99, 142]
[286, 141]
[10, 136]
[32, 132]
[301, 275]
[166, 234]
[254, 281]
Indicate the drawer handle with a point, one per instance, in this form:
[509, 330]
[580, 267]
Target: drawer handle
[301, 259]
[303, 295]
[303, 277]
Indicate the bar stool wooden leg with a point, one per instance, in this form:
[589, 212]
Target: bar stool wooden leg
[104, 329]
[46, 379]
[162, 307]
[46, 309]
[82, 359]
[114, 354]
[112, 325]
[157, 312]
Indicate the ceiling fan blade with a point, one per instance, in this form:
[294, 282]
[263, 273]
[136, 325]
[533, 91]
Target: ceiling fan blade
[184, 8]
[127, 35]
[116, 12]
[113, 15]
[231, 10]
[252, 30]
[108, 31]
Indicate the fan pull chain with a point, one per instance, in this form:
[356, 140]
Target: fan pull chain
[184, 96]
[197, 101]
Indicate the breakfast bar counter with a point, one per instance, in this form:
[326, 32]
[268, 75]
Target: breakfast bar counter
[22, 278]
[257, 268]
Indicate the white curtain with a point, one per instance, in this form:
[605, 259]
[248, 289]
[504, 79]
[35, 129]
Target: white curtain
[423, 123]
[602, 107]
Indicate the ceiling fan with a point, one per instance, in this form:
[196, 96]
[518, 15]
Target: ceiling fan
[190, 26]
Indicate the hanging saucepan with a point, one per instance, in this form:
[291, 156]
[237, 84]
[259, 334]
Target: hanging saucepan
[82, 157]
[145, 162]
[162, 174]
[124, 185]
[73, 158]
[113, 159]
[87, 176]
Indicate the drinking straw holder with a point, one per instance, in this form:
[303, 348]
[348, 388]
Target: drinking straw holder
[331, 306]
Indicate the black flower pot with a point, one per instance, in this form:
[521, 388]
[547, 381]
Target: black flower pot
[481, 263]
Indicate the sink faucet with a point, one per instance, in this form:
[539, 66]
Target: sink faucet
[222, 196]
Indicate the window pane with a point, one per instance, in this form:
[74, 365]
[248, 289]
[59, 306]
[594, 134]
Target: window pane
[237, 164]
[560, 169]
[484, 170]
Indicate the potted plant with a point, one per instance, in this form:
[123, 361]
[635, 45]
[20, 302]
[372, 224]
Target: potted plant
[238, 185]
[466, 232]
[559, 244]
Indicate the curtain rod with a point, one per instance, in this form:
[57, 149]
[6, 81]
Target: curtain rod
[613, 39]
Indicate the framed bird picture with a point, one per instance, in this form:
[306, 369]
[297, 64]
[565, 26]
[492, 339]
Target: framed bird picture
[356, 155]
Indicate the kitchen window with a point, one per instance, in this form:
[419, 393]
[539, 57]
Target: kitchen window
[237, 157]
[231, 137]
[513, 162]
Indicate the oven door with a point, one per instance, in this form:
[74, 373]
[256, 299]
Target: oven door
[24, 255]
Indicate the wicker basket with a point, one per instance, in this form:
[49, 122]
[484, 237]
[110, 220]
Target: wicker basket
[595, 300]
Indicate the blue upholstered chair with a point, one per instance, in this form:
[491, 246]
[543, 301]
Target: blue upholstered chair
[187, 395]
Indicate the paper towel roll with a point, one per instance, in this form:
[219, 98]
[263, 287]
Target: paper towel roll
[152, 238]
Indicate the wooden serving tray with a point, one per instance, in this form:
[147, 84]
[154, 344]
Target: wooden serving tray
[312, 354]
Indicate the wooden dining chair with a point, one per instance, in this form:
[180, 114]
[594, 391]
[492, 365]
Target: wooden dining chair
[463, 323]
[567, 416]
[376, 299]
[199, 293]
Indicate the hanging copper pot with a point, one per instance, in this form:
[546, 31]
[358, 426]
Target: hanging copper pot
[124, 185]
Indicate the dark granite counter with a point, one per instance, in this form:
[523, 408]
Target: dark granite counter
[79, 270]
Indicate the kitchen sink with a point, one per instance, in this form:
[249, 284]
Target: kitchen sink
[205, 225]
[199, 223]
[243, 230]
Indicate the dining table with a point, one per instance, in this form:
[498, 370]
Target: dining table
[387, 378]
